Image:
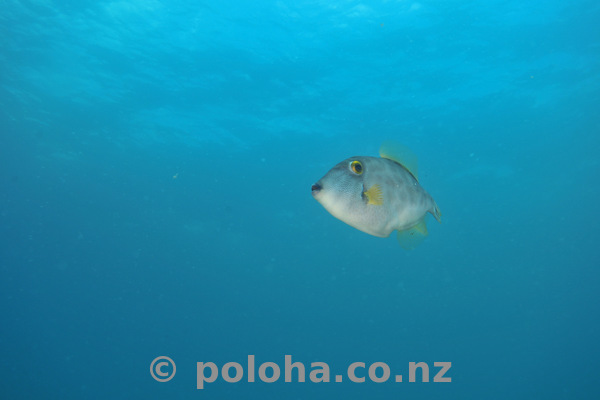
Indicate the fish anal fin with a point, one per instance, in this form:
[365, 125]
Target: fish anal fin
[421, 227]
[409, 239]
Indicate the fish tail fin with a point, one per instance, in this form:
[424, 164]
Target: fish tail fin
[411, 238]
[435, 211]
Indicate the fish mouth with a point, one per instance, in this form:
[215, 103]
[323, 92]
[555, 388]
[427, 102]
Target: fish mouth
[316, 188]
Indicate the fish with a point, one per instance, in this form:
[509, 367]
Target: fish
[379, 195]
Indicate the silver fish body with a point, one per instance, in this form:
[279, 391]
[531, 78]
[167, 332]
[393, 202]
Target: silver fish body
[379, 197]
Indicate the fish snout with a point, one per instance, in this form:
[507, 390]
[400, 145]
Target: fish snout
[316, 188]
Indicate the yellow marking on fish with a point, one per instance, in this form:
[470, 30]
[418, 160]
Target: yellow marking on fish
[374, 195]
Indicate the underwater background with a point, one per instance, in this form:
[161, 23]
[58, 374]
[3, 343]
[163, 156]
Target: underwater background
[156, 164]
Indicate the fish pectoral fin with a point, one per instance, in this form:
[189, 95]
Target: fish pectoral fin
[374, 195]
[411, 238]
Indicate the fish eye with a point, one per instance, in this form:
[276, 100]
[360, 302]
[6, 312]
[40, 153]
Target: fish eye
[356, 167]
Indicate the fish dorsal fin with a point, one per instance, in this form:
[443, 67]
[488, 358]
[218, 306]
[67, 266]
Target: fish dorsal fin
[402, 155]
[411, 238]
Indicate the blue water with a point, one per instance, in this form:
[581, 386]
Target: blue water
[156, 164]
